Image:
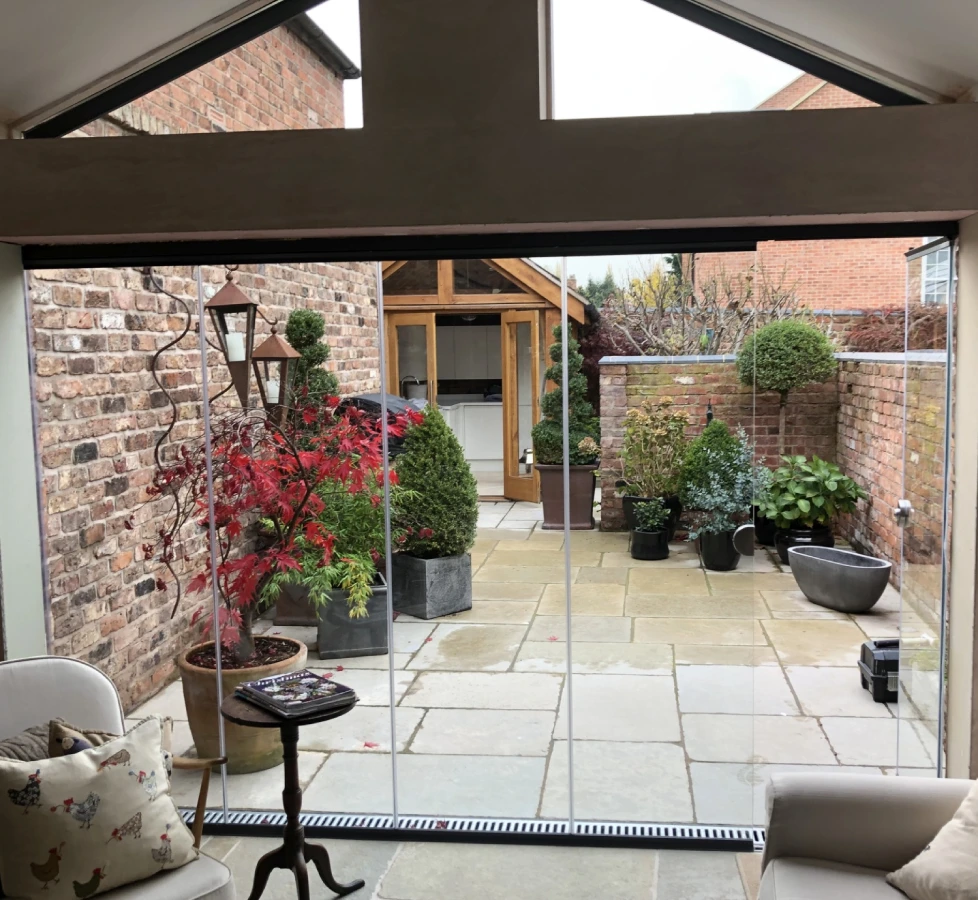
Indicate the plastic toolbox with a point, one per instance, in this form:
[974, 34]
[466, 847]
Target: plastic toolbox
[879, 669]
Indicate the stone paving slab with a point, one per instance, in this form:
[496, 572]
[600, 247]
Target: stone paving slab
[495, 612]
[533, 574]
[611, 575]
[828, 691]
[673, 561]
[365, 729]
[535, 556]
[586, 600]
[595, 658]
[737, 606]
[750, 581]
[436, 785]
[256, 790]
[478, 648]
[710, 876]
[583, 628]
[667, 581]
[485, 732]
[410, 636]
[743, 690]
[814, 642]
[708, 655]
[479, 690]
[773, 739]
[358, 662]
[620, 781]
[506, 591]
[860, 742]
[698, 631]
[621, 708]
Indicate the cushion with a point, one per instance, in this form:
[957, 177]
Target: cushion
[65, 739]
[28, 746]
[794, 878]
[83, 824]
[206, 879]
[947, 868]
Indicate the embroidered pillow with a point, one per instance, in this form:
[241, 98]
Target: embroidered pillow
[83, 824]
[947, 868]
[65, 739]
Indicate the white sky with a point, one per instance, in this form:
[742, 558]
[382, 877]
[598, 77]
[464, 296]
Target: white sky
[615, 58]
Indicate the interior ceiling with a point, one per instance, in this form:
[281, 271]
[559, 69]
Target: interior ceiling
[53, 52]
[926, 48]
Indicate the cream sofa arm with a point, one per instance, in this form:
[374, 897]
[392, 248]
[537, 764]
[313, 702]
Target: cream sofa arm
[877, 821]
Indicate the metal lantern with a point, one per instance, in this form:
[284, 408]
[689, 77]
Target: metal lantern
[233, 313]
[274, 373]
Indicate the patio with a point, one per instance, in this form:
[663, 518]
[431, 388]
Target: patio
[689, 688]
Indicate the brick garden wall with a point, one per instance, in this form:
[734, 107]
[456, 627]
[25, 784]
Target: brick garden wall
[95, 332]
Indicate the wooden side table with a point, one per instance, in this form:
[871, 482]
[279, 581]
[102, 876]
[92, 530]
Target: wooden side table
[295, 851]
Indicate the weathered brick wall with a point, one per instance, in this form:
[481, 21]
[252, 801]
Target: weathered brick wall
[95, 332]
[692, 384]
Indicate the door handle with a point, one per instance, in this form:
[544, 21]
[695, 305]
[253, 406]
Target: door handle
[902, 512]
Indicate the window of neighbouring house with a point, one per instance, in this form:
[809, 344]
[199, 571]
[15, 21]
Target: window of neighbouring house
[934, 275]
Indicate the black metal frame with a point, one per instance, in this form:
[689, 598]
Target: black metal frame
[792, 54]
[172, 67]
[458, 246]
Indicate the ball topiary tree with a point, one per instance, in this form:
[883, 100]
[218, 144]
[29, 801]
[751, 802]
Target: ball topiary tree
[438, 499]
[548, 433]
[783, 356]
[304, 331]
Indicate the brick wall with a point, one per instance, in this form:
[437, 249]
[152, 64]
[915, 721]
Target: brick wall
[95, 332]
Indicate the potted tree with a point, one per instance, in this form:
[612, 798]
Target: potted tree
[650, 533]
[805, 496]
[548, 442]
[432, 572]
[262, 472]
[653, 450]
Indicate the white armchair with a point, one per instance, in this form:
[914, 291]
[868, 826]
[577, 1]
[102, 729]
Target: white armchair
[837, 836]
[41, 688]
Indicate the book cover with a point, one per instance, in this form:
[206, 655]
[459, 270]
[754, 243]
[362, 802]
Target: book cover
[297, 693]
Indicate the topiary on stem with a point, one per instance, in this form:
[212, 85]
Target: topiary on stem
[440, 501]
[304, 331]
[548, 433]
[783, 356]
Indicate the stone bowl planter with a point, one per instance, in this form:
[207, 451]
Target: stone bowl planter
[429, 588]
[839, 579]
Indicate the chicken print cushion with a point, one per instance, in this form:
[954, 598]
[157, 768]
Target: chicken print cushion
[83, 824]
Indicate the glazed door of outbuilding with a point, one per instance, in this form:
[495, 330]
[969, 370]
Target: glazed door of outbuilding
[521, 402]
[412, 364]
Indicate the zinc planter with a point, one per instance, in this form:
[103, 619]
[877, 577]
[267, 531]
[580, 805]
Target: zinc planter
[429, 588]
[582, 482]
[784, 539]
[294, 607]
[650, 544]
[718, 551]
[340, 636]
[839, 579]
[247, 749]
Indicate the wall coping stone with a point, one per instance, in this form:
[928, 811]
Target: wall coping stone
[921, 356]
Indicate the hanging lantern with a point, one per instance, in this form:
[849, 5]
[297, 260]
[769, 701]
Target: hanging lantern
[233, 314]
[274, 373]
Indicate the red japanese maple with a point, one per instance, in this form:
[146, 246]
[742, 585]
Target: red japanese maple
[264, 473]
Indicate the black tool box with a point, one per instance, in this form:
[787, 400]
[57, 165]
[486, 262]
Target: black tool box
[879, 669]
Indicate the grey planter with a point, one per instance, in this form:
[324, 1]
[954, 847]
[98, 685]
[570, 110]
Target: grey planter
[839, 579]
[340, 636]
[429, 588]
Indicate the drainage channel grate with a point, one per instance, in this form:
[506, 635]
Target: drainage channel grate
[243, 822]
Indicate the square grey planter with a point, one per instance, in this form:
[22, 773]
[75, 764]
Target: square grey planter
[340, 636]
[429, 588]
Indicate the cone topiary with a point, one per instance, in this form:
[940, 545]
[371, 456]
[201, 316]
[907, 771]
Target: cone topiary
[548, 433]
[716, 450]
[439, 499]
[304, 331]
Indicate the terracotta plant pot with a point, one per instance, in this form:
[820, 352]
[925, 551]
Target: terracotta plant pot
[247, 749]
[582, 480]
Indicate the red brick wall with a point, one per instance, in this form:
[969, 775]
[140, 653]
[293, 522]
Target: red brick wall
[95, 331]
[809, 92]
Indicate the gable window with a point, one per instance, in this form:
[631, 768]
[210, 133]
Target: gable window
[934, 275]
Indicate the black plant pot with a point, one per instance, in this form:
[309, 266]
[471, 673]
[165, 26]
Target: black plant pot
[671, 503]
[428, 588]
[650, 544]
[764, 530]
[718, 551]
[819, 536]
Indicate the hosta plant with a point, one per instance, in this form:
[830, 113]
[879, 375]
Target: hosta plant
[807, 493]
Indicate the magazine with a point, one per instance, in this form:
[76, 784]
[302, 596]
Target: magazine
[296, 694]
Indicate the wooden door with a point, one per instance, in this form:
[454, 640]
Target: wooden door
[412, 362]
[521, 401]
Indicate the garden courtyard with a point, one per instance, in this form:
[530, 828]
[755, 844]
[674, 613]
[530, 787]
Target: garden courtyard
[689, 688]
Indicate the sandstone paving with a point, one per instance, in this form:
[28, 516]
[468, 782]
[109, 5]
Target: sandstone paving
[667, 581]
[737, 606]
[586, 600]
[610, 575]
[536, 556]
[745, 738]
[588, 658]
[485, 732]
[583, 628]
[536, 574]
[365, 729]
[814, 642]
[873, 741]
[674, 561]
[621, 708]
[480, 648]
[495, 612]
[479, 690]
[831, 691]
[744, 690]
[712, 655]
[698, 631]
[482, 590]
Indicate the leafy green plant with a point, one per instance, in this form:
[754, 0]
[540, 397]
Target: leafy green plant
[806, 493]
[763, 478]
[653, 449]
[304, 331]
[722, 500]
[548, 433]
[651, 515]
[783, 356]
[715, 449]
[439, 502]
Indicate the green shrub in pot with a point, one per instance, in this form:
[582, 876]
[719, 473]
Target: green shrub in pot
[715, 451]
[650, 533]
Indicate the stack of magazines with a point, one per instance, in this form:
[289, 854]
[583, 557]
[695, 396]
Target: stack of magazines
[296, 694]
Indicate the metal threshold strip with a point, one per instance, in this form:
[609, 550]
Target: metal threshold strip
[348, 826]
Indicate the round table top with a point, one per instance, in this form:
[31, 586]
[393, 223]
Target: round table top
[241, 712]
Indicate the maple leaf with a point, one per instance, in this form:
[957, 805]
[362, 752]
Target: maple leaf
[197, 583]
[552, 637]
[370, 745]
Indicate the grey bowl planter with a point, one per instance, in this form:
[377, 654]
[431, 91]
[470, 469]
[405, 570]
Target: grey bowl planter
[429, 588]
[340, 636]
[839, 579]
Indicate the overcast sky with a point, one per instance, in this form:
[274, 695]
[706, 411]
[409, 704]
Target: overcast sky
[615, 58]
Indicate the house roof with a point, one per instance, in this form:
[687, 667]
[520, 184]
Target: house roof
[304, 28]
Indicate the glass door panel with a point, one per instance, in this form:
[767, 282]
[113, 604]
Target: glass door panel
[412, 366]
[923, 509]
[521, 403]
